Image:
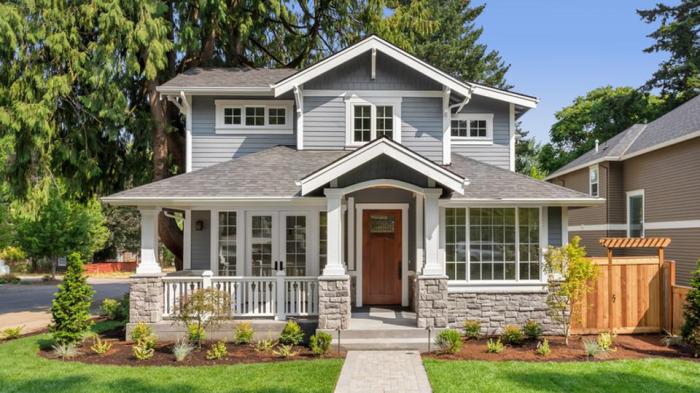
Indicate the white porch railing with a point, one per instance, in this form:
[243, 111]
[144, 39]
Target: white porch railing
[277, 297]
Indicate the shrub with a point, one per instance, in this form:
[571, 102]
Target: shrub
[143, 334]
[494, 346]
[9, 278]
[265, 346]
[292, 334]
[66, 350]
[671, 340]
[285, 351]
[449, 341]
[11, 333]
[691, 312]
[532, 329]
[693, 339]
[472, 329]
[320, 343]
[217, 351]
[110, 309]
[592, 349]
[543, 348]
[182, 349]
[204, 308]
[100, 347]
[142, 351]
[243, 333]
[15, 258]
[70, 309]
[512, 334]
[605, 341]
[196, 334]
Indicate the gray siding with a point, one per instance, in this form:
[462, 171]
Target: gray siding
[498, 153]
[208, 148]
[421, 128]
[200, 250]
[554, 226]
[324, 123]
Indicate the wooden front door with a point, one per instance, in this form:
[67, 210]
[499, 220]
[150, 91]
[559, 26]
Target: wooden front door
[381, 256]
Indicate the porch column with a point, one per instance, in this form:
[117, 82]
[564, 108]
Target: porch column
[334, 283]
[149, 242]
[432, 265]
[431, 286]
[334, 261]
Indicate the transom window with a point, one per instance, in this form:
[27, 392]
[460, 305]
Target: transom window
[477, 128]
[459, 128]
[593, 180]
[471, 126]
[277, 116]
[367, 120]
[492, 244]
[232, 116]
[255, 116]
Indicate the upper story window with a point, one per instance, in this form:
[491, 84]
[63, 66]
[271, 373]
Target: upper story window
[593, 180]
[254, 116]
[472, 128]
[370, 119]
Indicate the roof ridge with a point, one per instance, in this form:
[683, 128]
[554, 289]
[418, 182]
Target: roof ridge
[644, 127]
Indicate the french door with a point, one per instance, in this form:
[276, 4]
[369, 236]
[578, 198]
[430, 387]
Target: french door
[277, 241]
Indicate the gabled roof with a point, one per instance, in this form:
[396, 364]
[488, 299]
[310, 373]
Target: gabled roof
[676, 126]
[226, 79]
[375, 43]
[376, 148]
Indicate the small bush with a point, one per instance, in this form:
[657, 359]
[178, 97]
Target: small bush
[110, 309]
[693, 339]
[217, 351]
[472, 329]
[265, 346]
[605, 341]
[672, 340]
[285, 351]
[203, 309]
[100, 347]
[592, 349]
[449, 341]
[292, 334]
[320, 343]
[143, 334]
[12, 333]
[512, 334]
[494, 346]
[532, 329]
[142, 351]
[66, 350]
[182, 349]
[243, 334]
[9, 278]
[543, 348]
[196, 334]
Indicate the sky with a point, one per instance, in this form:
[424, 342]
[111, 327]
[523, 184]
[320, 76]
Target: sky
[560, 49]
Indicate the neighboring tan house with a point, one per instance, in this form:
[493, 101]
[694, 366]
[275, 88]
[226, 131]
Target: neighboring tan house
[361, 180]
[649, 176]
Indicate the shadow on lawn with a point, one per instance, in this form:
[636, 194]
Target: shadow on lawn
[599, 381]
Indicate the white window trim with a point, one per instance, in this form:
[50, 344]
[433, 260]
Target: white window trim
[469, 140]
[242, 129]
[634, 193]
[373, 102]
[591, 169]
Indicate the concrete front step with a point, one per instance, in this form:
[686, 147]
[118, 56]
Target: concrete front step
[383, 333]
[384, 339]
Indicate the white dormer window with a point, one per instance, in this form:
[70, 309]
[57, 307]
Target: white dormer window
[372, 118]
[471, 128]
[254, 116]
[593, 180]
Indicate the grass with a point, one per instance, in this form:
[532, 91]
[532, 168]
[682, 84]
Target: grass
[22, 370]
[649, 375]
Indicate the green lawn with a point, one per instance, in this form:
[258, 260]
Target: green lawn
[651, 375]
[22, 370]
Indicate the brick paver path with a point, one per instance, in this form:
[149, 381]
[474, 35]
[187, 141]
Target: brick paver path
[383, 372]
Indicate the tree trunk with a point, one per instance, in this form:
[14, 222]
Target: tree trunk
[54, 266]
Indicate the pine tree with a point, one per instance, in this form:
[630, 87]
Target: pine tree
[691, 312]
[70, 309]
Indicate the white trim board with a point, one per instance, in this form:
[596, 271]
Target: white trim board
[597, 227]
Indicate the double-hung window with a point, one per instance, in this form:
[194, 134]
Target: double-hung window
[254, 116]
[593, 180]
[471, 128]
[369, 120]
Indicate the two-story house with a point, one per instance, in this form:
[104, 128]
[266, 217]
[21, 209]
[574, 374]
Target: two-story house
[369, 178]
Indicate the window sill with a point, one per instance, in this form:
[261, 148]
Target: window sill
[497, 287]
[253, 130]
[469, 141]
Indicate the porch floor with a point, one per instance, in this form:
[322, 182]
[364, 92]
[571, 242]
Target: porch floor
[382, 317]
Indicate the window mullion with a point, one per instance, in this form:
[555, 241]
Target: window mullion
[517, 244]
[373, 122]
[468, 244]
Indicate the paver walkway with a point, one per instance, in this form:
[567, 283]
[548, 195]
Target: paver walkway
[383, 372]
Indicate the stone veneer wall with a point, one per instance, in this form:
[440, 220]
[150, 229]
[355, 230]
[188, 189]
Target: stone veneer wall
[146, 299]
[334, 302]
[431, 301]
[496, 310]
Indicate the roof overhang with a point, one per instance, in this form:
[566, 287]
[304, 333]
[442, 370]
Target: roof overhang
[376, 148]
[564, 202]
[223, 90]
[581, 166]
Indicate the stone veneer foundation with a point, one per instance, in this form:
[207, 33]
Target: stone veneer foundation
[496, 310]
[334, 302]
[145, 300]
[431, 301]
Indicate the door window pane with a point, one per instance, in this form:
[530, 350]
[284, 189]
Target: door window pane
[261, 245]
[227, 244]
[636, 215]
[295, 237]
[362, 127]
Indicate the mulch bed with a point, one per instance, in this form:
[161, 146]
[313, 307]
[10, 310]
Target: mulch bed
[637, 346]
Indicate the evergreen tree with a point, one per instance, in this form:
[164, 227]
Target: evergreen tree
[70, 309]
[691, 312]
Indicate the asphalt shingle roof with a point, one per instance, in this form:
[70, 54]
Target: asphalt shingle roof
[273, 173]
[228, 77]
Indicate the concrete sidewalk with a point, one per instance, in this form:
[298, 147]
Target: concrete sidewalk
[383, 372]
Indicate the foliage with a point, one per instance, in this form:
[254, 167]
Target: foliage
[142, 350]
[124, 226]
[70, 309]
[243, 333]
[100, 347]
[472, 329]
[115, 310]
[52, 225]
[527, 154]
[569, 274]
[449, 341]
[494, 346]
[66, 350]
[532, 329]
[143, 335]
[292, 334]
[285, 351]
[605, 341]
[265, 345]
[9, 279]
[15, 258]
[512, 334]
[217, 351]
[203, 308]
[11, 333]
[182, 349]
[543, 348]
[691, 312]
[592, 349]
[320, 343]
[677, 35]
